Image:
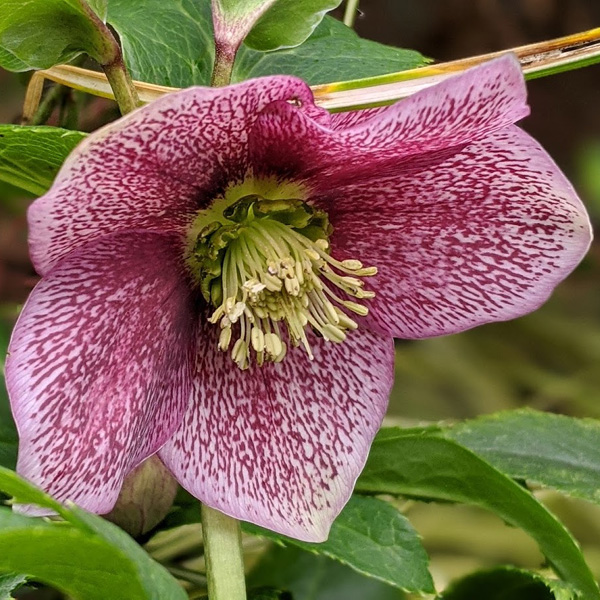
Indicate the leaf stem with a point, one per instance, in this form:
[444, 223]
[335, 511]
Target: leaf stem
[223, 554]
[223, 67]
[350, 12]
[122, 85]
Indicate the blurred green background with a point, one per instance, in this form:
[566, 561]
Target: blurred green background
[549, 360]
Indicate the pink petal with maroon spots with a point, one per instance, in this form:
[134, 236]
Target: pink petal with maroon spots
[482, 236]
[154, 168]
[282, 445]
[458, 111]
[98, 370]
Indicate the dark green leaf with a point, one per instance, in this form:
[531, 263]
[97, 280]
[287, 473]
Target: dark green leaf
[507, 584]
[30, 157]
[374, 539]
[268, 594]
[173, 47]
[333, 52]
[288, 23]
[86, 556]
[10, 583]
[311, 577]
[38, 34]
[8, 431]
[552, 450]
[431, 467]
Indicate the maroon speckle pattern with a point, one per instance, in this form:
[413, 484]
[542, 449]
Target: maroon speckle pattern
[112, 360]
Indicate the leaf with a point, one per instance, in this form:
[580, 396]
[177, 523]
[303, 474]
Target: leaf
[427, 466]
[268, 594]
[30, 157]
[8, 431]
[174, 47]
[288, 23]
[555, 451]
[374, 539]
[310, 577]
[333, 52]
[9, 583]
[86, 556]
[38, 34]
[507, 583]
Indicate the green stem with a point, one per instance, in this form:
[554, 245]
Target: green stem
[223, 555]
[223, 67]
[350, 12]
[122, 85]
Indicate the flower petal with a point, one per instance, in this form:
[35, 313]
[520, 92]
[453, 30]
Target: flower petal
[482, 236]
[282, 445]
[98, 370]
[453, 113]
[152, 169]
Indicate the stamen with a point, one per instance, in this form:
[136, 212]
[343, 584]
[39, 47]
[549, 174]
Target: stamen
[265, 270]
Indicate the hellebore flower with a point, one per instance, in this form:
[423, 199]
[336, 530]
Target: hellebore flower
[225, 269]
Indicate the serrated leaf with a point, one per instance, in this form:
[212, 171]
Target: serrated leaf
[554, 451]
[333, 52]
[374, 539]
[175, 47]
[288, 23]
[310, 577]
[38, 34]
[86, 556]
[507, 583]
[30, 157]
[9, 583]
[431, 467]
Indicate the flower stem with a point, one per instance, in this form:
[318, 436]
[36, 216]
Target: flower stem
[223, 67]
[350, 12]
[122, 85]
[223, 555]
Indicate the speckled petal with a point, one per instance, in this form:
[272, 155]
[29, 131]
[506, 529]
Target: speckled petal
[282, 445]
[152, 169]
[447, 116]
[484, 235]
[99, 365]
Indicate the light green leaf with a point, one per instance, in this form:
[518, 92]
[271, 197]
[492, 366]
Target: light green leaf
[507, 583]
[288, 23]
[86, 556]
[10, 583]
[37, 34]
[30, 157]
[174, 47]
[430, 467]
[374, 539]
[311, 577]
[552, 450]
[8, 431]
[333, 52]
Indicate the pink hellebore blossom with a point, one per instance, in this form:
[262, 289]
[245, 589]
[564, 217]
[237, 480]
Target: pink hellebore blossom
[204, 295]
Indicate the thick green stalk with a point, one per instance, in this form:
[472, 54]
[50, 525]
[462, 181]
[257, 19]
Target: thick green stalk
[350, 12]
[223, 555]
[122, 85]
[223, 67]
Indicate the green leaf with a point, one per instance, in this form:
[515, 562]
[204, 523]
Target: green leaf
[333, 52]
[268, 594]
[38, 34]
[551, 450]
[174, 47]
[310, 577]
[374, 539]
[8, 431]
[507, 583]
[30, 157]
[427, 466]
[10, 583]
[86, 556]
[288, 23]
